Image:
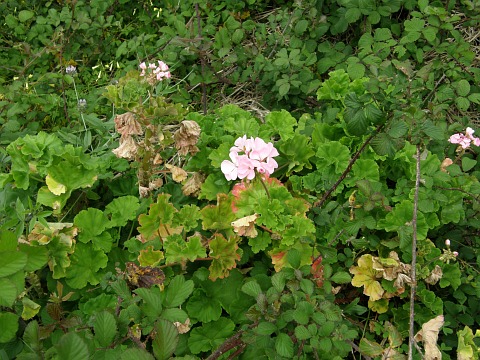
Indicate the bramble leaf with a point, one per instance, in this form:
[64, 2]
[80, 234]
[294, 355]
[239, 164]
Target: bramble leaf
[165, 340]
[105, 328]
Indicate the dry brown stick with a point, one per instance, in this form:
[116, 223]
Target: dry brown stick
[413, 274]
[348, 169]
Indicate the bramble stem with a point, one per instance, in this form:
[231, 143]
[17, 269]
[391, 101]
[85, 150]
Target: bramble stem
[413, 274]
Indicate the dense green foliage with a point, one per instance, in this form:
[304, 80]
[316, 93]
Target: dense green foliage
[120, 236]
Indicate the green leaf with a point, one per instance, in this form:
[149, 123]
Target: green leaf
[283, 90]
[8, 292]
[179, 250]
[298, 150]
[12, 261]
[284, 345]
[435, 132]
[121, 210]
[8, 241]
[302, 333]
[220, 216]
[37, 256]
[265, 328]
[278, 123]
[300, 27]
[462, 87]
[105, 328]
[72, 347]
[468, 164]
[224, 254]
[211, 335]
[91, 222]
[260, 242]
[370, 348]
[341, 277]
[177, 291]
[452, 276]
[203, 307]
[462, 103]
[85, 265]
[166, 339]
[187, 217]
[136, 354]
[31, 336]
[9, 326]
[159, 216]
[252, 288]
[333, 153]
[352, 14]
[25, 15]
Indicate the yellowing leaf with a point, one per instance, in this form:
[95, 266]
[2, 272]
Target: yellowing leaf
[246, 226]
[429, 336]
[30, 308]
[379, 306]
[55, 187]
[150, 257]
[365, 275]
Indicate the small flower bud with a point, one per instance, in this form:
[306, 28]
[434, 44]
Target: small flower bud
[447, 242]
[71, 70]
[82, 104]
[455, 253]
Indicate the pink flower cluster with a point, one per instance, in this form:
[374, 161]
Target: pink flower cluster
[464, 140]
[247, 156]
[160, 71]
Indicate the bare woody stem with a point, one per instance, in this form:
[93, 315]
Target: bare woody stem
[413, 274]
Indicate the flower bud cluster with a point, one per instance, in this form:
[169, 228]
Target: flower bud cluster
[248, 156]
[464, 140]
[159, 72]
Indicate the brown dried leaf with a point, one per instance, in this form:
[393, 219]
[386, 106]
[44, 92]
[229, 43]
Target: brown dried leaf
[193, 185]
[434, 276]
[186, 137]
[128, 148]
[178, 174]
[155, 184]
[126, 125]
[182, 327]
[246, 226]
[429, 336]
[445, 163]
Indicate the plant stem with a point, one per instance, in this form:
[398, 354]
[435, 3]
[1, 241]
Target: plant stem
[413, 274]
[349, 167]
[264, 186]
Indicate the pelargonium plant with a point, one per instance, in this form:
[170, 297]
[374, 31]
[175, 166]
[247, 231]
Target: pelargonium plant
[249, 156]
[153, 72]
